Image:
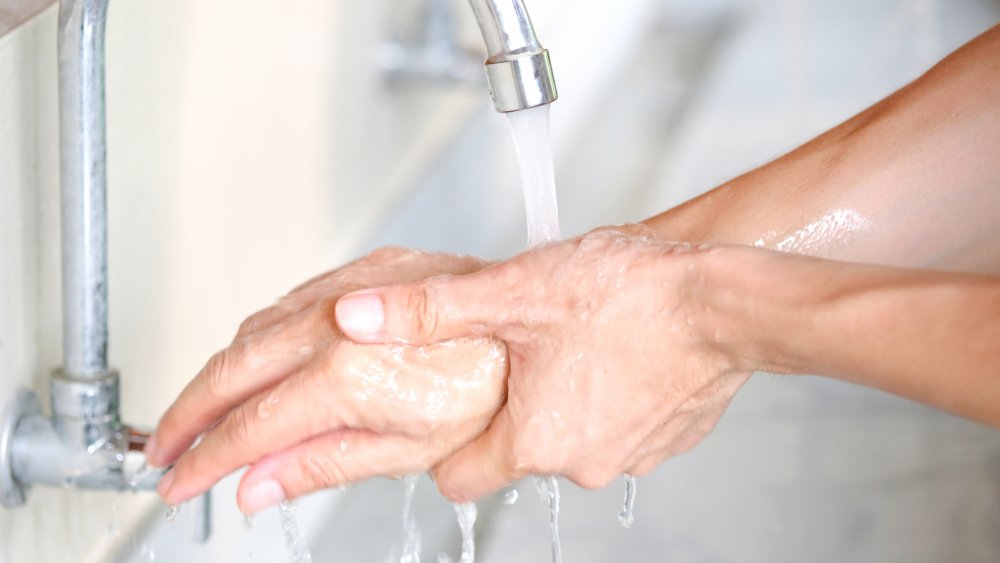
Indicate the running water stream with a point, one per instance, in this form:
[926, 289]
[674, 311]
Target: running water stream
[295, 540]
[411, 532]
[533, 144]
[627, 515]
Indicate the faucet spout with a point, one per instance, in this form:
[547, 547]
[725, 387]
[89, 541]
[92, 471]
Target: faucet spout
[518, 68]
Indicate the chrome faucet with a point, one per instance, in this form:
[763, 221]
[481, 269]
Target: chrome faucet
[518, 69]
[83, 444]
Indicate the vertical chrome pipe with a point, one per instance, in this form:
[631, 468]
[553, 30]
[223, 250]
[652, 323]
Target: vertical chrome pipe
[83, 179]
[517, 67]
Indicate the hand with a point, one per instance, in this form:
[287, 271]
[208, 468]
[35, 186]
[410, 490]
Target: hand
[614, 363]
[310, 409]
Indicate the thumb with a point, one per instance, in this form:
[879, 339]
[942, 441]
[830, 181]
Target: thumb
[429, 311]
[483, 466]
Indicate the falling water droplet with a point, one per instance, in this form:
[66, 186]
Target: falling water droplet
[510, 497]
[548, 490]
[627, 516]
[172, 511]
[146, 553]
[467, 524]
[248, 521]
[411, 531]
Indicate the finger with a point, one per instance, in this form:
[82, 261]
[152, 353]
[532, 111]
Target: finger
[483, 466]
[297, 409]
[229, 378]
[332, 460]
[646, 465]
[435, 309]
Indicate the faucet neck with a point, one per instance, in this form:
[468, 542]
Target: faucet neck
[517, 67]
[506, 28]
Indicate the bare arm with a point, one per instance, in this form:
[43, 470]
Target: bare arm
[915, 180]
[930, 336]
[673, 331]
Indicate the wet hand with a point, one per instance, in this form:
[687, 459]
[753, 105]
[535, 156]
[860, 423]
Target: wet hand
[309, 409]
[614, 363]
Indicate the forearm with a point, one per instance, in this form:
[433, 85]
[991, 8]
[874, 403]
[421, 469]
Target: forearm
[930, 336]
[912, 181]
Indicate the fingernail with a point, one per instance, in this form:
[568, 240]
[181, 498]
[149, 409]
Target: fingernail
[361, 315]
[150, 451]
[262, 496]
[166, 483]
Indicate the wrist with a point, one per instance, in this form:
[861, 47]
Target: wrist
[759, 308]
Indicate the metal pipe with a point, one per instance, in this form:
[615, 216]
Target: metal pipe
[83, 178]
[517, 67]
[84, 443]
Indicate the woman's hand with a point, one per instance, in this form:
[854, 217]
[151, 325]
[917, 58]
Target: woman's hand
[625, 350]
[614, 363]
[310, 409]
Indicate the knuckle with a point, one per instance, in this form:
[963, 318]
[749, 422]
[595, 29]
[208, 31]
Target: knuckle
[593, 479]
[423, 311]
[321, 471]
[249, 324]
[239, 426]
[219, 372]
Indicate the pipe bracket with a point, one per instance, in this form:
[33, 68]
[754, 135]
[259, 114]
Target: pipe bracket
[25, 403]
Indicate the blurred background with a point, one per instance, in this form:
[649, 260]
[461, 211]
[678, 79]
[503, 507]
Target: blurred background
[253, 144]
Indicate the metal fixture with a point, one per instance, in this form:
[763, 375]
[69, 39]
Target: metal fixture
[84, 444]
[518, 69]
[424, 47]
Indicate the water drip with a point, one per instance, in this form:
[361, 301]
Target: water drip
[295, 541]
[548, 491]
[510, 497]
[627, 516]
[411, 531]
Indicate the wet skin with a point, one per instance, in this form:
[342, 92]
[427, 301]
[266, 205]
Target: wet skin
[309, 409]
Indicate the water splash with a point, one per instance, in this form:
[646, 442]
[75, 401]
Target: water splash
[833, 230]
[411, 531]
[266, 406]
[146, 553]
[548, 491]
[295, 541]
[467, 514]
[172, 511]
[510, 497]
[135, 469]
[627, 516]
